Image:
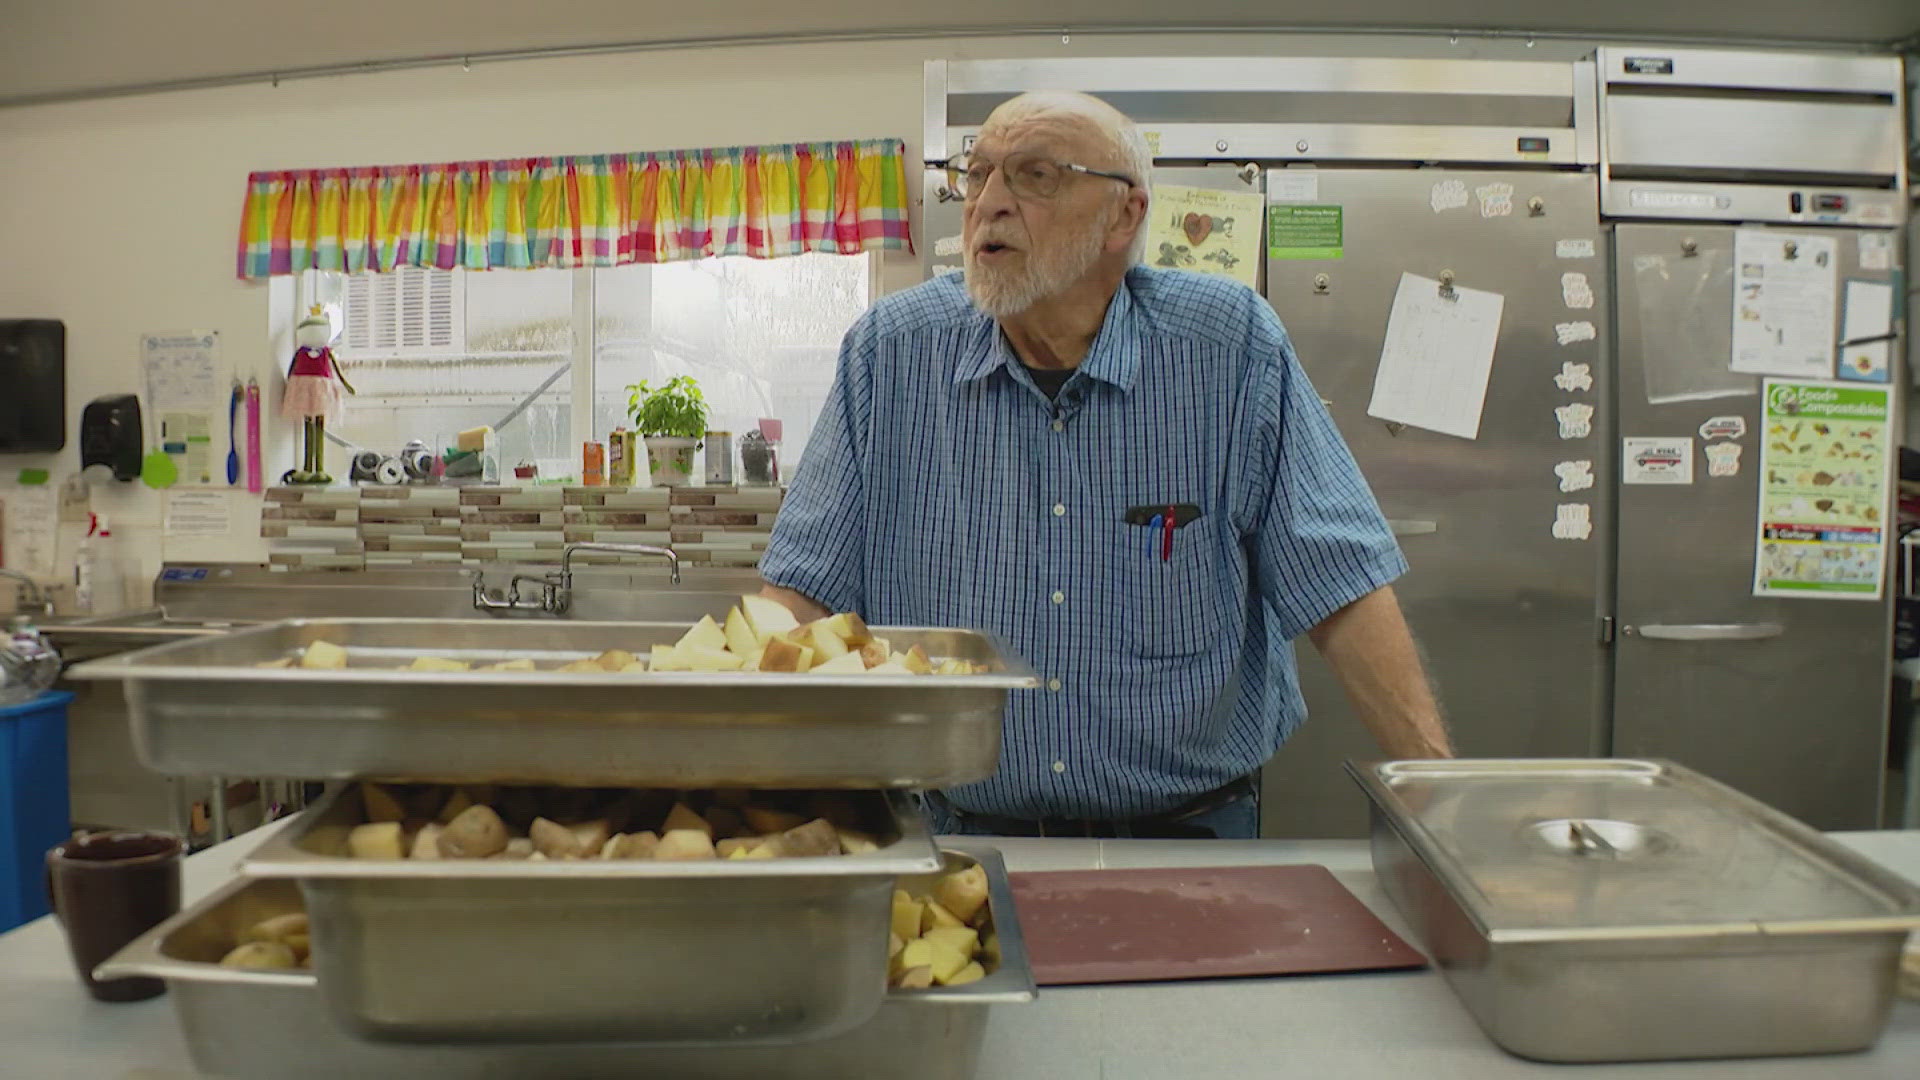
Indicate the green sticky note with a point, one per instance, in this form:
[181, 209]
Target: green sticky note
[1306, 232]
[157, 470]
[32, 477]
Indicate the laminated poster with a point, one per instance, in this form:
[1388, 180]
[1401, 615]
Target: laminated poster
[1825, 455]
[1200, 229]
[187, 396]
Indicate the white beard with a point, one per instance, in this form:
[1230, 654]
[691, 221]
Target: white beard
[1002, 292]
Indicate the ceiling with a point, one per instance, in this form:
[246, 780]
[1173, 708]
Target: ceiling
[78, 48]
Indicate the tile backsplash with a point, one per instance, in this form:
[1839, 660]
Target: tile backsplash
[334, 528]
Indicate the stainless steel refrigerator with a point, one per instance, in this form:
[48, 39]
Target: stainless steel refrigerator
[1509, 616]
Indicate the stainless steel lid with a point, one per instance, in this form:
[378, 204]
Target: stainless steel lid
[1571, 847]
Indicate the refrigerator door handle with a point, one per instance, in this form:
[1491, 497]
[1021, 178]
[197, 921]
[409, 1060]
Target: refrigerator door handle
[1706, 631]
[1409, 527]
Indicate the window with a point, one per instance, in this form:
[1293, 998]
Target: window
[434, 352]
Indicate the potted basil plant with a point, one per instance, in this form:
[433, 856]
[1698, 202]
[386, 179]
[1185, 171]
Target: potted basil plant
[671, 418]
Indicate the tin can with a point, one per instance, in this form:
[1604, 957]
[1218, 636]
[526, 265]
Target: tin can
[719, 457]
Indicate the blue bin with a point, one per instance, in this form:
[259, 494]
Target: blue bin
[33, 801]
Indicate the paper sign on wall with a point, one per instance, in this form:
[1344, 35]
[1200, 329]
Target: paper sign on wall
[1656, 460]
[1783, 303]
[1293, 185]
[1209, 231]
[1437, 357]
[199, 512]
[29, 516]
[1306, 232]
[187, 393]
[1825, 459]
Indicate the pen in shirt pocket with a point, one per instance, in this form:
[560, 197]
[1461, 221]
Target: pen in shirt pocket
[1160, 524]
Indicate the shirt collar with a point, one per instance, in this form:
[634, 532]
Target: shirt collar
[1113, 358]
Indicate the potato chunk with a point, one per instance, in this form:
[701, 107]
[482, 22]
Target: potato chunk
[477, 833]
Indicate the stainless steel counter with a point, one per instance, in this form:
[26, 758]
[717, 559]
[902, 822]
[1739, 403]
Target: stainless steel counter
[1354, 1027]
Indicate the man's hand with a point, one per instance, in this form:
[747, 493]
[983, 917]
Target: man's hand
[1369, 647]
[803, 607]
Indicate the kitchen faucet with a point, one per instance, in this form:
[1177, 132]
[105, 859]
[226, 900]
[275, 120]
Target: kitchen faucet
[41, 600]
[556, 589]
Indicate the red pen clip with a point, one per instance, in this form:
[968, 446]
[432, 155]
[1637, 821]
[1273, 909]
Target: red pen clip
[1166, 536]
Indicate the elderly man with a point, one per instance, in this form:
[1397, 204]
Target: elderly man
[1123, 471]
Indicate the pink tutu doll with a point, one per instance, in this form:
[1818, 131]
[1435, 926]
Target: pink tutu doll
[312, 396]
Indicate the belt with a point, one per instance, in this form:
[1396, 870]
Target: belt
[1170, 825]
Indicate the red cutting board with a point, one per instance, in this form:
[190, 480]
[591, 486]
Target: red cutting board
[1160, 925]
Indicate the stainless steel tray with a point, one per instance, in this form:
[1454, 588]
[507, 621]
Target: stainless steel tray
[202, 708]
[275, 1026]
[1619, 910]
[628, 950]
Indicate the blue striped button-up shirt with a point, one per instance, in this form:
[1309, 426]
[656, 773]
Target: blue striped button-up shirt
[941, 487]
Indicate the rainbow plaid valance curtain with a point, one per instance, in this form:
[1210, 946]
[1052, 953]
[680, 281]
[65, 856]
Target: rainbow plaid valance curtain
[593, 210]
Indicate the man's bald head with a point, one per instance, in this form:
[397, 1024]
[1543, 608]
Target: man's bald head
[1113, 142]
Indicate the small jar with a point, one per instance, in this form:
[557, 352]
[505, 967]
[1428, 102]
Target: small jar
[759, 461]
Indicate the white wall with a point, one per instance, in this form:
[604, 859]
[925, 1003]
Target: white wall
[121, 216]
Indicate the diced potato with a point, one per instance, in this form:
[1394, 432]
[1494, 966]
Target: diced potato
[614, 659]
[736, 847]
[953, 667]
[906, 915]
[477, 833]
[518, 849]
[854, 842]
[591, 836]
[736, 853]
[782, 654]
[381, 804]
[685, 844]
[961, 939]
[963, 892]
[455, 806]
[915, 660]
[762, 819]
[377, 840]
[683, 817]
[703, 659]
[891, 667]
[278, 928]
[812, 839]
[942, 959]
[260, 954]
[437, 663]
[767, 616]
[765, 849]
[667, 658]
[638, 667]
[556, 841]
[283, 662]
[581, 667]
[739, 634]
[875, 652]
[640, 845]
[426, 842]
[849, 628]
[919, 978]
[973, 972]
[826, 644]
[522, 664]
[895, 943]
[847, 663]
[324, 655]
[937, 917]
[705, 634]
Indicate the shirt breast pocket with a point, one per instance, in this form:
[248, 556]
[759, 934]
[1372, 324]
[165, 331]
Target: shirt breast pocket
[1177, 605]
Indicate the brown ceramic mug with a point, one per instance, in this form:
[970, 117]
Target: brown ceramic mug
[108, 888]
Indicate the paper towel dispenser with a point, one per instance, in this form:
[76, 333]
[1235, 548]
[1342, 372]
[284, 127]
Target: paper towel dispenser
[33, 369]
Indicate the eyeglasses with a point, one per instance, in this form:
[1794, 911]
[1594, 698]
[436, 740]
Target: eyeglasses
[1029, 176]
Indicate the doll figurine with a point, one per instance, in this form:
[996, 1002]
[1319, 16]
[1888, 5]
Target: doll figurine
[311, 397]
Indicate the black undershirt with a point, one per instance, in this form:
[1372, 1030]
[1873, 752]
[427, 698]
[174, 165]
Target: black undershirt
[1049, 380]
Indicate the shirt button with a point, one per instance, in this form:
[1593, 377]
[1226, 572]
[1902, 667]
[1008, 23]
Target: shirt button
[1059, 766]
[1059, 509]
[1059, 425]
[1053, 685]
[1059, 597]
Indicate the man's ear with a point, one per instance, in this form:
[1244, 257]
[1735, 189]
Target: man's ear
[1131, 218]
